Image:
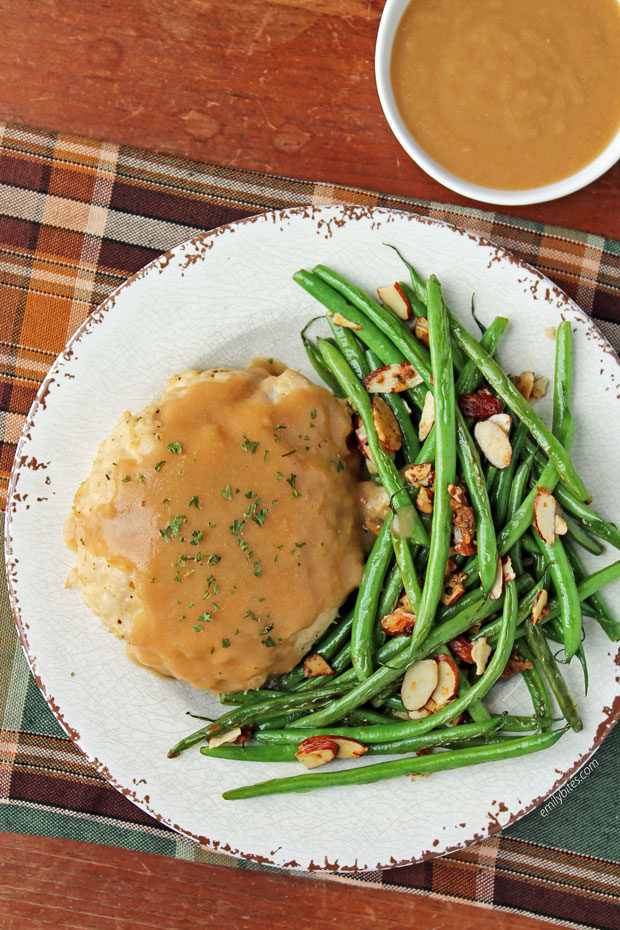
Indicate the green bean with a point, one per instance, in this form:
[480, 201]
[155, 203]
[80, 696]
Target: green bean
[566, 590]
[411, 443]
[592, 520]
[314, 357]
[390, 478]
[365, 774]
[470, 377]
[539, 646]
[503, 484]
[365, 613]
[245, 753]
[445, 462]
[387, 733]
[404, 560]
[476, 485]
[536, 686]
[337, 636]
[603, 614]
[563, 424]
[391, 592]
[476, 710]
[253, 696]
[514, 723]
[578, 533]
[517, 490]
[553, 629]
[351, 349]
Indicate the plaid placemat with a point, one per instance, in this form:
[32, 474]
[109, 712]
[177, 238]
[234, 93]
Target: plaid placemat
[76, 218]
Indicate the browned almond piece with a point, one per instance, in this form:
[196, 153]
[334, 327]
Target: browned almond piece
[419, 683]
[480, 405]
[399, 622]
[494, 443]
[339, 320]
[363, 445]
[463, 542]
[420, 476]
[386, 425]
[480, 652]
[498, 583]
[559, 525]
[391, 379]
[539, 607]
[515, 664]
[424, 500]
[544, 515]
[503, 420]
[453, 588]
[428, 416]
[315, 665]
[447, 684]
[539, 389]
[348, 748]
[421, 330]
[394, 297]
[450, 568]
[418, 714]
[524, 383]
[316, 750]
[221, 739]
[461, 647]
[507, 569]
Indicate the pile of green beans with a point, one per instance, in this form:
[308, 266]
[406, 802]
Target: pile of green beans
[360, 697]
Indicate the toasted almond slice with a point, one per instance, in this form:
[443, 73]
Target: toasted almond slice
[539, 389]
[559, 525]
[421, 330]
[507, 569]
[339, 320]
[348, 748]
[419, 683]
[549, 332]
[503, 420]
[220, 739]
[461, 647]
[399, 622]
[362, 444]
[428, 416]
[316, 750]
[420, 476]
[396, 299]
[480, 652]
[453, 588]
[498, 583]
[424, 500]
[515, 664]
[539, 607]
[315, 665]
[494, 443]
[447, 683]
[386, 425]
[391, 379]
[418, 714]
[544, 515]
[524, 383]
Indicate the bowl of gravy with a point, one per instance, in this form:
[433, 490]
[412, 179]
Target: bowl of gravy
[503, 102]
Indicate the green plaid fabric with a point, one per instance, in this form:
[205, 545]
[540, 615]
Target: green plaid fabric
[76, 218]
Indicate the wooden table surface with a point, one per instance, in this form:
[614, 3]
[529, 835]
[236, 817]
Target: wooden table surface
[281, 86]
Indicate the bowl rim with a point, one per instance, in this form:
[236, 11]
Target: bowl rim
[390, 19]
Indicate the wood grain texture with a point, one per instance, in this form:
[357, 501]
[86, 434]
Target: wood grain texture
[49, 884]
[281, 86]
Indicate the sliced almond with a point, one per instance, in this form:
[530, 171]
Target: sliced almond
[221, 739]
[453, 588]
[480, 652]
[339, 320]
[507, 569]
[420, 476]
[363, 444]
[315, 665]
[560, 526]
[424, 500]
[503, 420]
[428, 416]
[549, 332]
[418, 714]
[394, 297]
[498, 583]
[421, 330]
[539, 389]
[419, 682]
[386, 425]
[348, 748]
[494, 443]
[544, 515]
[447, 684]
[375, 504]
[399, 622]
[539, 607]
[316, 750]
[391, 379]
[524, 383]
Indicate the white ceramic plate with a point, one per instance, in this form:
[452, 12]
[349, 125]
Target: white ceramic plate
[217, 301]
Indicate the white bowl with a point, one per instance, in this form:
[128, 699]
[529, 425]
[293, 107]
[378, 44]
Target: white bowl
[390, 19]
